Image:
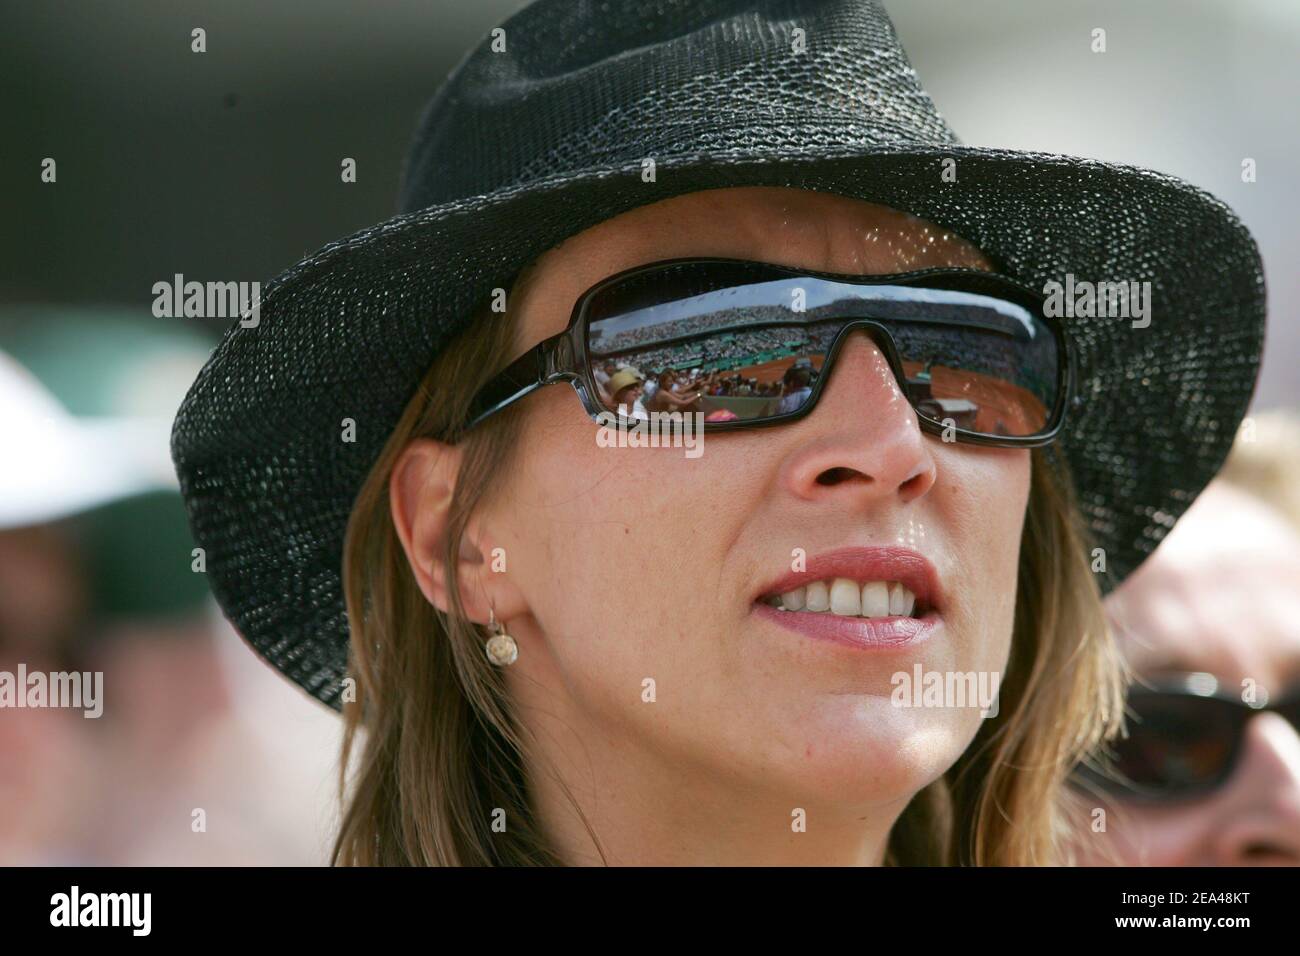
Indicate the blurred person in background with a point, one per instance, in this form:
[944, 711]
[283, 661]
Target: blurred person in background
[97, 574]
[1209, 773]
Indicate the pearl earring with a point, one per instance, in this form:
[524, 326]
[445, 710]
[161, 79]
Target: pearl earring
[501, 647]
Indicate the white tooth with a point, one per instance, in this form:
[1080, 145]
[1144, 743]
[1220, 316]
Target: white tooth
[896, 599]
[846, 598]
[818, 598]
[909, 603]
[793, 600]
[875, 599]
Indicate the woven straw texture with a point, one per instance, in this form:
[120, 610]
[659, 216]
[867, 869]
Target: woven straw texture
[522, 148]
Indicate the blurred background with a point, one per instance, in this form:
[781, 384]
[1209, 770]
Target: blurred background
[225, 166]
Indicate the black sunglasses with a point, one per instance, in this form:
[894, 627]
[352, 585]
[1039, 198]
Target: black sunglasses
[972, 351]
[1182, 741]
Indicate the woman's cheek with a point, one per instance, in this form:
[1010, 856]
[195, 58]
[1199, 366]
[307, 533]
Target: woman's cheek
[605, 545]
[982, 497]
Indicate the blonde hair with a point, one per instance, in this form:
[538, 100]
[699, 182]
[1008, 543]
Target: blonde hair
[442, 750]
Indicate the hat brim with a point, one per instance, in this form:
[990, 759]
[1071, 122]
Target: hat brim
[348, 332]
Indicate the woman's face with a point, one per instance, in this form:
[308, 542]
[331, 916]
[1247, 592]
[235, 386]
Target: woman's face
[649, 664]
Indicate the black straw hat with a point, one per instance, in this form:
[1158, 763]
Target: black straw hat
[527, 145]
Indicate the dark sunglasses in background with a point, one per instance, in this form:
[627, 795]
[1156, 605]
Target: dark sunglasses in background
[1184, 736]
[972, 351]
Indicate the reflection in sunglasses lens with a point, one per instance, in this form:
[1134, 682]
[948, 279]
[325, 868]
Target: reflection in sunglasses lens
[758, 351]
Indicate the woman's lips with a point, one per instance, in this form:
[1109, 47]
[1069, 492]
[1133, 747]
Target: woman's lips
[862, 632]
[865, 597]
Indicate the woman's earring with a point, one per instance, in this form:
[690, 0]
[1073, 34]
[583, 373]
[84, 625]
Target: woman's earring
[501, 647]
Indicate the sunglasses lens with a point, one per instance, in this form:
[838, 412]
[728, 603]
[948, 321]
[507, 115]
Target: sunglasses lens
[992, 371]
[1178, 744]
[753, 343]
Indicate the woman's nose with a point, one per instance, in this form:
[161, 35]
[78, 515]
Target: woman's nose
[863, 437]
[1262, 826]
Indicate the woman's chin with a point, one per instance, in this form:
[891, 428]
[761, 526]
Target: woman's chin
[867, 751]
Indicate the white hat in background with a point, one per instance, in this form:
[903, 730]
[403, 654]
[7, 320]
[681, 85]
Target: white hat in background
[53, 464]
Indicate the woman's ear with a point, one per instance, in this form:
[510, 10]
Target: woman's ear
[420, 492]
[419, 497]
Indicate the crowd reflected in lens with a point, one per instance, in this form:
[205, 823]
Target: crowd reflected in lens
[959, 367]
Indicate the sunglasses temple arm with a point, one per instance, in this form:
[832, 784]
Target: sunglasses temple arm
[524, 375]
